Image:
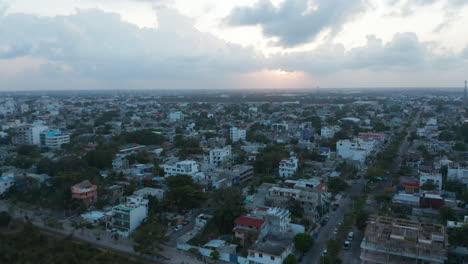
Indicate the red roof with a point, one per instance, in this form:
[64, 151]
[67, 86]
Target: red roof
[240, 230]
[321, 187]
[248, 221]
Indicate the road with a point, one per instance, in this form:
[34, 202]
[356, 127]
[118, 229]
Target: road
[326, 233]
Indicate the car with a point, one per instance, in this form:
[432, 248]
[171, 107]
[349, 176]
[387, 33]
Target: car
[324, 222]
[186, 222]
[178, 228]
[324, 253]
[347, 244]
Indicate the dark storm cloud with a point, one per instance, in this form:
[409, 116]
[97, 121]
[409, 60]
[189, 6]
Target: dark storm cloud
[292, 23]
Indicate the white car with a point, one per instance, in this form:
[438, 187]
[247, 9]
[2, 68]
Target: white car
[178, 228]
[347, 244]
[324, 253]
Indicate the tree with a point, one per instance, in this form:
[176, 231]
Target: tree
[5, 219]
[446, 213]
[290, 259]
[337, 184]
[361, 219]
[459, 146]
[215, 255]
[429, 186]
[303, 242]
[458, 236]
[148, 238]
[183, 192]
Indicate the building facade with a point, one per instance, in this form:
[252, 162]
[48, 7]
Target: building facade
[85, 192]
[288, 167]
[127, 216]
[237, 134]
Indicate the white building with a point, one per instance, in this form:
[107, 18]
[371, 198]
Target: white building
[188, 167]
[127, 216]
[28, 134]
[54, 138]
[219, 156]
[270, 250]
[458, 174]
[288, 167]
[7, 180]
[237, 134]
[329, 131]
[176, 116]
[155, 192]
[357, 149]
[435, 178]
[120, 163]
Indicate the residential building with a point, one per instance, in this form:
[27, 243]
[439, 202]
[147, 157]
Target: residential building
[247, 227]
[237, 134]
[54, 138]
[128, 215]
[371, 136]
[288, 167]
[240, 173]
[86, 192]
[120, 163]
[219, 156]
[272, 249]
[434, 178]
[395, 240]
[309, 198]
[28, 134]
[356, 149]
[176, 116]
[458, 174]
[154, 192]
[188, 167]
[7, 180]
[329, 131]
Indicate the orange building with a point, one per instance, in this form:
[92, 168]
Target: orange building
[86, 192]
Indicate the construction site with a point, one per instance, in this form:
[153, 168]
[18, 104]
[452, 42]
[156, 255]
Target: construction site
[393, 240]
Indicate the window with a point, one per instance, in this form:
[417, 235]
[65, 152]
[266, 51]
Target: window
[272, 258]
[260, 255]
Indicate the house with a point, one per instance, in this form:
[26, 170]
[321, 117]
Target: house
[247, 227]
[434, 178]
[288, 167]
[240, 173]
[309, 198]
[86, 192]
[409, 184]
[329, 131]
[128, 215]
[7, 180]
[272, 249]
[175, 116]
[154, 192]
[120, 163]
[431, 199]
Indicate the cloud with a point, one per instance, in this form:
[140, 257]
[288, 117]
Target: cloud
[100, 45]
[295, 22]
[404, 53]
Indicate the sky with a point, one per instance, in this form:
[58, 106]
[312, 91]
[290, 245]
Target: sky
[219, 44]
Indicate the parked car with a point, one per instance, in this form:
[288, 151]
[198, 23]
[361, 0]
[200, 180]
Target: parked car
[347, 244]
[178, 228]
[186, 222]
[324, 253]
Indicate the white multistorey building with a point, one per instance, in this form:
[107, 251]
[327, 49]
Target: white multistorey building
[329, 131]
[219, 156]
[237, 134]
[176, 116]
[188, 167]
[128, 215]
[288, 167]
[458, 174]
[356, 149]
[54, 138]
[28, 134]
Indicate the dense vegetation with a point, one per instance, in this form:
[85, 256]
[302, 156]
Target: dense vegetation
[29, 246]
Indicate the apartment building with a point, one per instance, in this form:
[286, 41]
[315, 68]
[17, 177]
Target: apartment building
[237, 134]
[28, 134]
[219, 156]
[329, 131]
[309, 198]
[288, 167]
[434, 178]
[128, 215]
[86, 192]
[54, 138]
[393, 241]
[188, 167]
